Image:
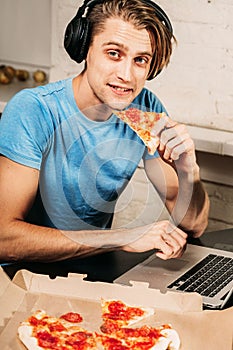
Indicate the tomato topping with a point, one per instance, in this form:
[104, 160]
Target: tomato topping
[78, 340]
[56, 327]
[114, 344]
[143, 345]
[144, 331]
[109, 327]
[79, 336]
[133, 114]
[157, 116]
[36, 322]
[46, 340]
[119, 311]
[73, 317]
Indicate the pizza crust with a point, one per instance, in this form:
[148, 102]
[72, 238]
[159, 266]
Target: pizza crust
[25, 335]
[173, 337]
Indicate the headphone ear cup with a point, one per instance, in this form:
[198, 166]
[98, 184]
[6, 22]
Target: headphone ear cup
[77, 37]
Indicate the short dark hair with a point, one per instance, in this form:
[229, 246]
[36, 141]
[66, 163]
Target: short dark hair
[142, 16]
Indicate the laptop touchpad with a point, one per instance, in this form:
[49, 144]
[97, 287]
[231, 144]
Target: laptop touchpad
[170, 265]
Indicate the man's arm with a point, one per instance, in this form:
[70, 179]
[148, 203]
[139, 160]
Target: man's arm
[20, 240]
[176, 177]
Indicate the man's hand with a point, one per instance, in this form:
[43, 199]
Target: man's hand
[176, 144]
[163, 236]
[181, 189]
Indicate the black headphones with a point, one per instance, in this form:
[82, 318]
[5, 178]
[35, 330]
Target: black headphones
[78, 32]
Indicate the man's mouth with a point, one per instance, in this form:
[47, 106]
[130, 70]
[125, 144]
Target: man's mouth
[119, 88]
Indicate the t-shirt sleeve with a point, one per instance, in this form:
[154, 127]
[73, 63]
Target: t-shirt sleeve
[24, 133]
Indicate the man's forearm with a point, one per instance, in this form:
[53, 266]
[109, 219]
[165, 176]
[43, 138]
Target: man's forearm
[26, 242]
[23, 241]
[191, 209]
[20, 240]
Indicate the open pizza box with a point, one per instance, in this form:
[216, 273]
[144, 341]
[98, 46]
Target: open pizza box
[28, 292]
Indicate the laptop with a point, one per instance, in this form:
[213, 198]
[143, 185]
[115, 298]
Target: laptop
[207, 271]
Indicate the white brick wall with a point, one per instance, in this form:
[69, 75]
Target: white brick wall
[63, 66]
[197, 86]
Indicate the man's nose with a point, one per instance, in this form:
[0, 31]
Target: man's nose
[125, 70]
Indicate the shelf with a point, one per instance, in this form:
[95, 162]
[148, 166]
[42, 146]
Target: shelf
[9, 90]
[212, 141]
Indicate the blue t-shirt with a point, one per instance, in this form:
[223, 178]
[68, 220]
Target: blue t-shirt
[84, 165]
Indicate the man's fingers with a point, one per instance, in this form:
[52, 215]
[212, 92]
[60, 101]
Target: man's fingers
[173, 244]
[159, 126]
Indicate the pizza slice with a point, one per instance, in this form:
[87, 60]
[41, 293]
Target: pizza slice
[118, 317]
[116, 313]
[145, 337]
[142, 122]
[41, 331]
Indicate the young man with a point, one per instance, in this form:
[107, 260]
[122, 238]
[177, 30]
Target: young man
[65, 156]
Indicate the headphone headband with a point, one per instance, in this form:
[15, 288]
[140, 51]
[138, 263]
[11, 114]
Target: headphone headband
[78, 31]
[87, 5]
[161, 14]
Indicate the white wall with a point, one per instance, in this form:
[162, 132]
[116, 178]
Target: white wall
[25, 32]
[197, 86]
[62, 65]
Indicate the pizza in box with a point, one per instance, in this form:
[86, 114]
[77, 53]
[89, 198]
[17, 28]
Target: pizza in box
[118, 331]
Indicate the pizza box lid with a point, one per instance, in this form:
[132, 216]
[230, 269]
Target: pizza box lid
[28, 292]
[75, 286]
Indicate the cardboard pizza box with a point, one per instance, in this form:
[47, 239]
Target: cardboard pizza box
[28, 292]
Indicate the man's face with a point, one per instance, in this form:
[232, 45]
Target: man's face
[118, 63]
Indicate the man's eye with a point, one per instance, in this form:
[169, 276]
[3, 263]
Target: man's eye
[141, 60]
[113, 54]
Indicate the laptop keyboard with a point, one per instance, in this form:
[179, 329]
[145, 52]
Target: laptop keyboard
[207, 277]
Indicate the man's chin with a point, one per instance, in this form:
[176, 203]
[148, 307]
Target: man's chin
[119, 106]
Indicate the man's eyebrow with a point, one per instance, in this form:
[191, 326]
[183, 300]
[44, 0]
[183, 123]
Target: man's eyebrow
[115, 43]
[123, 47]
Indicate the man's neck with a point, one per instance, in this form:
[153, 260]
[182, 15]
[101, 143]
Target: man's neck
[87, 102]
